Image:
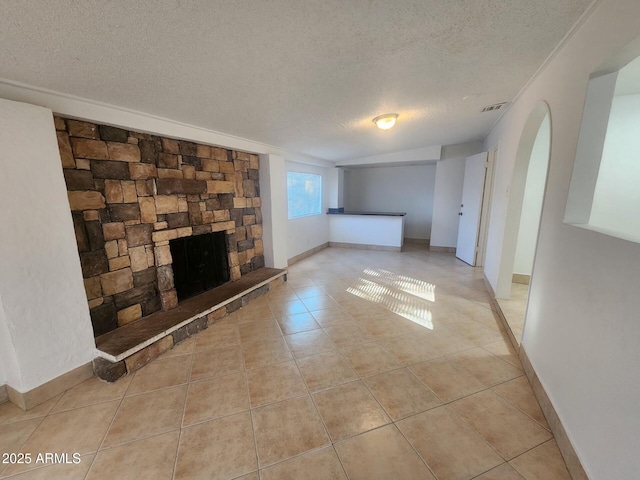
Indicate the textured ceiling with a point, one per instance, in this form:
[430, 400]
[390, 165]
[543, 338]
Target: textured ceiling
[307, 76]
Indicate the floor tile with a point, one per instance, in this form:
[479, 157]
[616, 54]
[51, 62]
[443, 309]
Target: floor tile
[410, 349]
[253, 313]
[447, 340]
[518, 392]
[282, 309]
[71, 471]
[297, 280]
[14, 435]
[488, 317]
[332, 317]
[217, 450]
[321, 302]
[259, 330]
[326, 370]
[502, 472]
[448, 445]
[286, 429]
[383, 327]
[369, 359]
[283, 293]
[250, 476]
[348, 334]
[216, 397]
[381, 454]
[274, 383]
[149, 458]
[486, 367]
[319, 465]
[9, 413]
[147, 414]
[475, 332]
[504, 351]
[348, 410]
[542, 463]
[265, 352]
[217, 361]
[185, 347]
[447, 379]
[365, 309]
[161, 373]
[309, 291]
[217, 335]
[507, 429]
[309, 343]
[91, 392]
[79, 430]
[401, 394]
[300, 322]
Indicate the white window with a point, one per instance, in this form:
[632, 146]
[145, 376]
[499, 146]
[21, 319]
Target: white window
[304, 194]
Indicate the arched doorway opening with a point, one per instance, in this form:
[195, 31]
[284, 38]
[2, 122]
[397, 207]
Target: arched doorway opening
[526, 197]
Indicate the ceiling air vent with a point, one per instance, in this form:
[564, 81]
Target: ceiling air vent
[495, 106]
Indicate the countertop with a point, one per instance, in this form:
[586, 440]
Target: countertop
[381, 214]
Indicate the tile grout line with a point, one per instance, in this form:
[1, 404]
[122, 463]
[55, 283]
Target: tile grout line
[424, 461]
[253, 430]
[284, 400]
[42, 419]
[184, 408]
[110, 425]
[519, 409]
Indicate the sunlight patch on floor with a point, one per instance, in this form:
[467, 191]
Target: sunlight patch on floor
[403, 296]
[415, 287]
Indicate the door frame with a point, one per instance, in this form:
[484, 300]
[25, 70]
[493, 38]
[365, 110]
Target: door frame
[485, 212]
[481, 208]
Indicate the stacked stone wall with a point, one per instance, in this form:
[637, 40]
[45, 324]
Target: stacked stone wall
[130, 193]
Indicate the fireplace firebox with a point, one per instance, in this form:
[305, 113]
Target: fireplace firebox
[200, 263]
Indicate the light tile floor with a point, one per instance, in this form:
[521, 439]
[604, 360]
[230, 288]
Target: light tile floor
[514, 309]
[365, 365]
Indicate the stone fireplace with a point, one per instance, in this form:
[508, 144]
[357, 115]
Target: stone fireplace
[132, 194]
[199, 263]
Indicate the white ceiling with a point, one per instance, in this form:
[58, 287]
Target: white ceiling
[307, 76]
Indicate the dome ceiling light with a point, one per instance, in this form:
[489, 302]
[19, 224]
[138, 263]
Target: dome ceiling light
[386, 121]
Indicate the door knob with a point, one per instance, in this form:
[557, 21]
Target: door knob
[460, 213]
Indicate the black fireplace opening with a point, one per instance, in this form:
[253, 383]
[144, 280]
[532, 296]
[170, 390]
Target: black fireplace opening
[200, 263]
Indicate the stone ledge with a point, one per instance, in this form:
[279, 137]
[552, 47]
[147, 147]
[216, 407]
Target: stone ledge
[189, 317]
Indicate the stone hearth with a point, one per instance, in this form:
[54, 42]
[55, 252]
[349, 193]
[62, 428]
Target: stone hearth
[130, 347]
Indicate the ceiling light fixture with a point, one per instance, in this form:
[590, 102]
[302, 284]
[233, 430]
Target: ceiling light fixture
[386, 121]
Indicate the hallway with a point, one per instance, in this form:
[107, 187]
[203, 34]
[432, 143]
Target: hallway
[364, 365]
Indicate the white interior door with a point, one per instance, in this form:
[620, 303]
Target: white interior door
[471, 208]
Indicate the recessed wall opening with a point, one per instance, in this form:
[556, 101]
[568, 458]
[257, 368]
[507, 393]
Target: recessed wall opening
[199, 263]
[604, 194]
